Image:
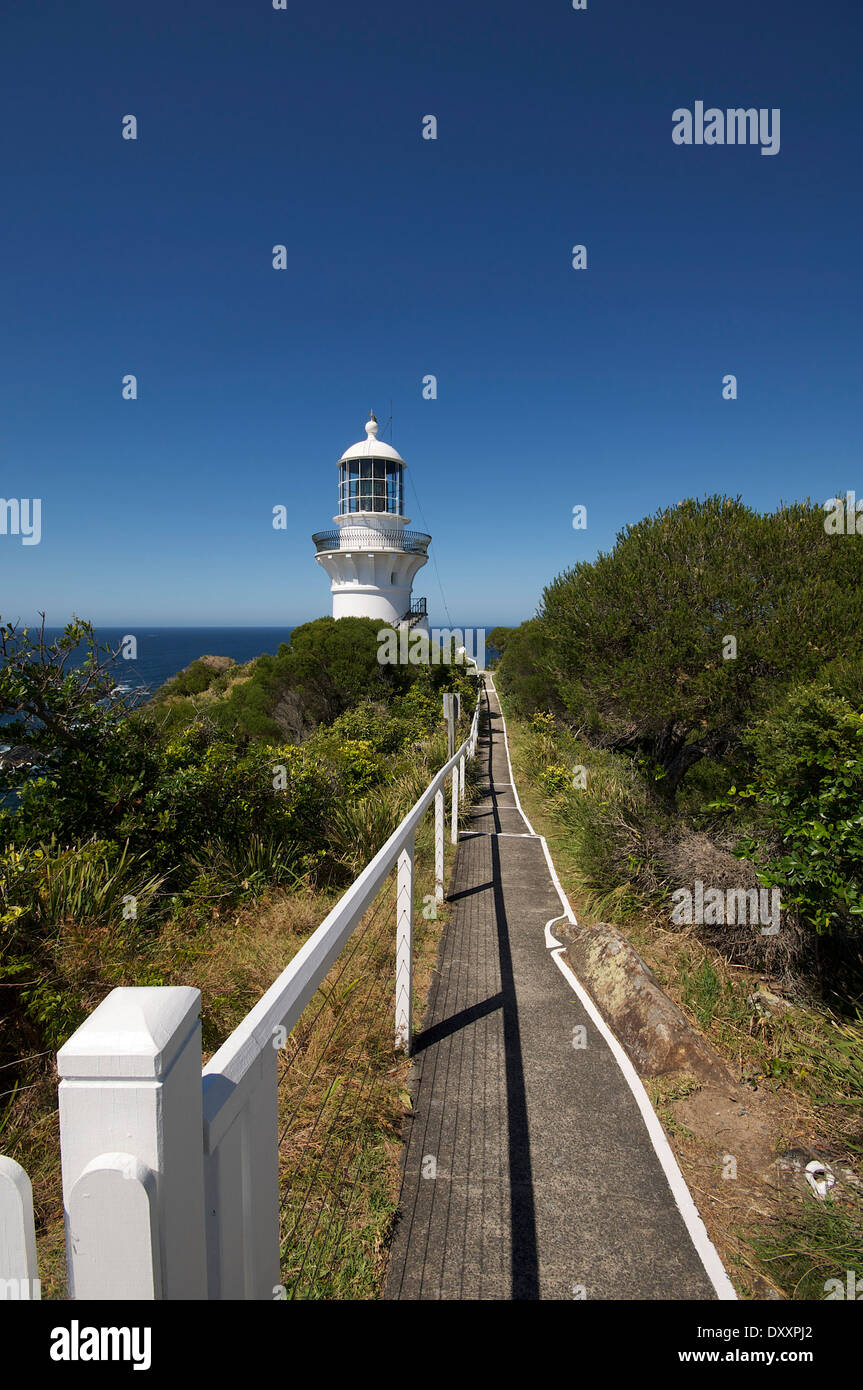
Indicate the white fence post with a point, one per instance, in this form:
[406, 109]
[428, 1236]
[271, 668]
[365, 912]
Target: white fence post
[454, 808]
[405, 945]
[241, 1178]
[438, 845]
[449, 714]
[19, 1273]
[132, 1148]
[461, 778]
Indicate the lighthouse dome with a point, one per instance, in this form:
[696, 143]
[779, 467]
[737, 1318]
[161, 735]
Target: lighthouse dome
[371, 477]
[371, 447]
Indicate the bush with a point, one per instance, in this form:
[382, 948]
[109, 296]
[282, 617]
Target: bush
[805, 792]
[613, 825]
[236, 871]
[169, 801]
[360, 767]
[358, 829]
[555, 779]
[93, 882]
[523, 672]
[195, 679]
[496, 641]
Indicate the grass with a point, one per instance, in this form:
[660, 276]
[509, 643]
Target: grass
[339, 1094]
[232, 959]
[663, 1091]
[810, 1244]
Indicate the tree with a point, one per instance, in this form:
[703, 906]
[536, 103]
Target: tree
[332, 663]
[523, 673]
[87, 761]
[694, 624]
[43, 705]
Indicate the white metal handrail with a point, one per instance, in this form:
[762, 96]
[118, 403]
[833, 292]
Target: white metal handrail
[285, 1000]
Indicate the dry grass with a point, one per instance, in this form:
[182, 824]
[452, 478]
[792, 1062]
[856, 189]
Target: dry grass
[342, 1101]
[30, 1133]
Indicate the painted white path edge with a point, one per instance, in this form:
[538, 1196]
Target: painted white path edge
[704, 1246]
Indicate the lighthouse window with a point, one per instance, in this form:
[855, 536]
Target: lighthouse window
[370, 485]
[394, 479]
[349, 481]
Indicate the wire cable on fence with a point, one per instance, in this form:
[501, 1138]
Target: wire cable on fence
[321, 1110]
[373, 1094]
[337, 1167]
[305, 1034]
[21, 1060]
[338, 1130]
[343, 1019]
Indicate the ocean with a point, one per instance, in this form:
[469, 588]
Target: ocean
[163, 651]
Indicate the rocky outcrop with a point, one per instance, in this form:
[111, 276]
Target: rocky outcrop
[653, 1030]
[216, 663]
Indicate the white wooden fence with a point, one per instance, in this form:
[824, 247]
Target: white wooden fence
[170, 1185]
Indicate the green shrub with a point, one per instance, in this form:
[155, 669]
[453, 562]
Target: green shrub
[805, 792]
[360, 767]
[496, 640]
[555, 778]
[92, 882]
[192, 681]
[231, 871]
[98, 886]
[612, 823]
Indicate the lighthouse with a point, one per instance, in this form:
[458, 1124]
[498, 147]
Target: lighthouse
[370, 557]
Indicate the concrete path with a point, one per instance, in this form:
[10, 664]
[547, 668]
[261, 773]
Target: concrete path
[529, 1169]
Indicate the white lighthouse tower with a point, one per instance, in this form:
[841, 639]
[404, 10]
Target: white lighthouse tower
[371, 559]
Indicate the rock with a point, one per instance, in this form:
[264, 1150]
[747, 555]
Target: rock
[765, 1002]
[217, 663]
[653, 1030]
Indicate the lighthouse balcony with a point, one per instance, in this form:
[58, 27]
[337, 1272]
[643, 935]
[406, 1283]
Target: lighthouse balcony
[366, 538]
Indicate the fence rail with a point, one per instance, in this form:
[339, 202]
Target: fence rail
[170, 1171]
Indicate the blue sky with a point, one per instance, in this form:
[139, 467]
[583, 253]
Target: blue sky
[406, 257]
